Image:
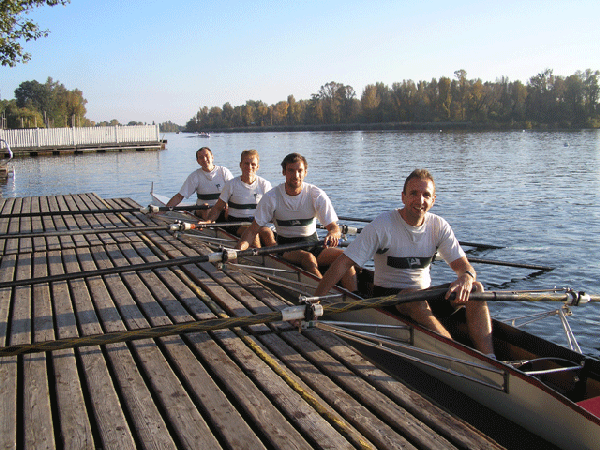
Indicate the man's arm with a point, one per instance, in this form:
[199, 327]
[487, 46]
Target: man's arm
[216, 210]
[463, 284]
[175, 200]
[334, 274]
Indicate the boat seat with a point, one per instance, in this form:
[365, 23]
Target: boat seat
[592, 405]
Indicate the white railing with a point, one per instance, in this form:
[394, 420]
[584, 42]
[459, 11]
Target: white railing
[57, 137]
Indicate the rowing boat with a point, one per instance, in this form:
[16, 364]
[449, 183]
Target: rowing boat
[550, 390]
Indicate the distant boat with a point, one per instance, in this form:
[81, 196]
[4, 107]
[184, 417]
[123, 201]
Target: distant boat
[204, 135]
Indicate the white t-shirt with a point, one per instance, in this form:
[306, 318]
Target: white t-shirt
[242, 198]
[206, 185]
[403, 253]
[294, 215]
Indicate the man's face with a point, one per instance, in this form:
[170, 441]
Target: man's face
[249, 165]
[205, 159]
[418, 199]
[294, 174]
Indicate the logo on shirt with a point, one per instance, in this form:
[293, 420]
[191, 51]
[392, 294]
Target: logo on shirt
[218, 185]
[409, 262]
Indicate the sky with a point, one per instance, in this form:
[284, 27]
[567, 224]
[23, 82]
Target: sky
[156, 61]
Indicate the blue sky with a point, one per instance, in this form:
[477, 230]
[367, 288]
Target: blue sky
[157, 61]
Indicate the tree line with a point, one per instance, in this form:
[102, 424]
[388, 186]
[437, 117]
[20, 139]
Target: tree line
[546, 100]
[47, 105]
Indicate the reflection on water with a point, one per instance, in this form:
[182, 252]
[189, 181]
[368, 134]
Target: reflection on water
[535, 193]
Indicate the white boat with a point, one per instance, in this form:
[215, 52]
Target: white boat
[552, 391]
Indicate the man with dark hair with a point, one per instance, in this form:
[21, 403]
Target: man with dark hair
[207, 182]
[293, 207]
[403, 243]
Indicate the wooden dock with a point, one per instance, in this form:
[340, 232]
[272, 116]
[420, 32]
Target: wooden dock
[258, 387]
[76, 141]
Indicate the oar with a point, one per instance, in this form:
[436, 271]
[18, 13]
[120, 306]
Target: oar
[146, 210]
[509, 264]
[224, 256]
[354, 230]
[306, 312]
[310, 311]
[178, 226]
[572, 298]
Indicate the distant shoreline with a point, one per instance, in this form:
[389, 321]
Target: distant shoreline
[395, 126]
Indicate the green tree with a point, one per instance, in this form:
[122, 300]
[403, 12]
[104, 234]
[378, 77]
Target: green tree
[15, 28]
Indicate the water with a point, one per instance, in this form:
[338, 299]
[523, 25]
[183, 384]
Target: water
[536, 193]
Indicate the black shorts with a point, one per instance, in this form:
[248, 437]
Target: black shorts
[312, 238]
[238, 219]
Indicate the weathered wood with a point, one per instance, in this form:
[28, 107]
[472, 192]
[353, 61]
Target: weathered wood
[74, 423]
[138, 401]
[39, 427]
[8, 366]
[192, 430]
[107, 411]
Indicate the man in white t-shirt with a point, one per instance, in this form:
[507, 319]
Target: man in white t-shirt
[206, 182]
[403, 243]
[241, 195]
[293, 207]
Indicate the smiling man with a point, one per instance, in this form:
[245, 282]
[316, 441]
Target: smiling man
[403, 243]
[241, 195]
[294, 207]
[207, 182]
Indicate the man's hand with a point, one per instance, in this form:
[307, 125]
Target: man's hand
[462, 288]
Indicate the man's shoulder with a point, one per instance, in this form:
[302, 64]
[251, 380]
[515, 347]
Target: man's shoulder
[434, 219]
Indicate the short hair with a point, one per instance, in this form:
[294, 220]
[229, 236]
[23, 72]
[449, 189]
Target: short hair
[293, 158]
[203, 148]
[249, 153]
[421, 174]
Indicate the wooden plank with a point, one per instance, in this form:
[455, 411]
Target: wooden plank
[456, 430]
[101, 220]
[377, 431]
[73, 418]
[6, 208]
[107, 411]
[65, 204]
[256, 405]
[184, 418]
[39, 427]
[52, 242]
[8, 366]
[25, 244]
[58, 223]
[266, 419]
[12, 245]
[147, 421]
[39, 244]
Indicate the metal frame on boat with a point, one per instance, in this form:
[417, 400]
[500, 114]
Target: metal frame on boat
[550, 390]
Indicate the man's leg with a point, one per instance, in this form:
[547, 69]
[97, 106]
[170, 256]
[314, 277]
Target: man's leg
[421, 313]
[479, 324]
[328, 256]
[304, 259]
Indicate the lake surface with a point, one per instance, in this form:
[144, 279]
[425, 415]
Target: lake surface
[535, 193]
